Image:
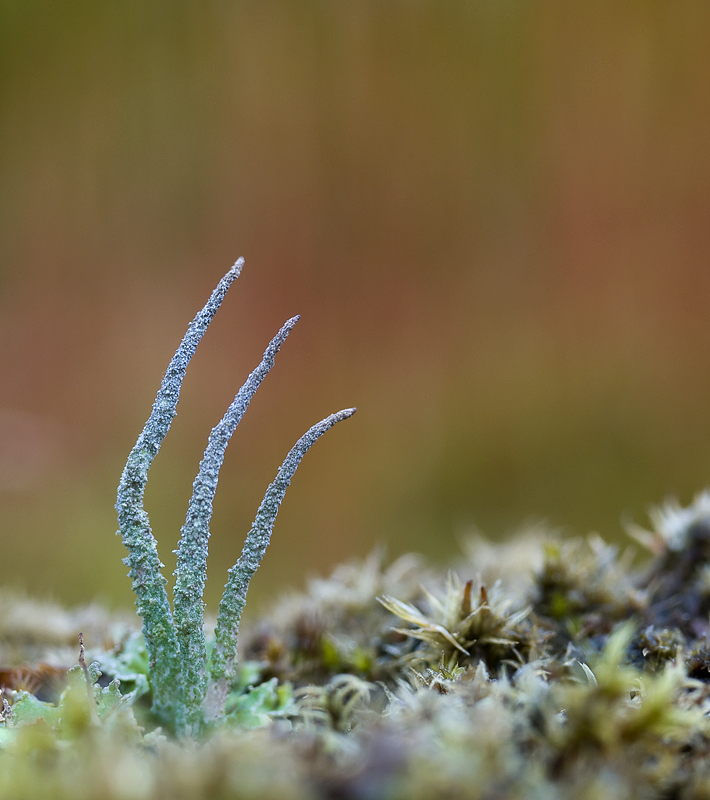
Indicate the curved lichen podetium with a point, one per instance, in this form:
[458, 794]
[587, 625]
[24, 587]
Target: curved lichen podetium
[145, 565]
[224, 653]
[191, 571]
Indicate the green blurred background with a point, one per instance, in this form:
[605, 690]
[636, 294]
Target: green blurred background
[492, 217]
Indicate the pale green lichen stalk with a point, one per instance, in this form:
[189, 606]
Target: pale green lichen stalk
[191, 568]
[145, 565]
[176, 644]
[224, 654]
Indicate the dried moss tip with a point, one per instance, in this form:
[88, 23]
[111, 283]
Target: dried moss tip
[472, 630]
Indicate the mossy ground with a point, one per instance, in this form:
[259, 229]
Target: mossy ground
[536, 669]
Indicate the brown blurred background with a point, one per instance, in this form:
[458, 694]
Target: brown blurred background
[492, 217]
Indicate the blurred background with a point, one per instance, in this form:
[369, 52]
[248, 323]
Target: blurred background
[492, 217]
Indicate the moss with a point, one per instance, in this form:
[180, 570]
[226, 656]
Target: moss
[339, 695]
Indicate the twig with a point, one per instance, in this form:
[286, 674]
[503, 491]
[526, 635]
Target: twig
[89, 686]
[6, 711]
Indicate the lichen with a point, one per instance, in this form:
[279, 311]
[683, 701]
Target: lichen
[174, 638]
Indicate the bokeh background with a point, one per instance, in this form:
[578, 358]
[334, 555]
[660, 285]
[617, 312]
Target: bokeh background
[493, 217]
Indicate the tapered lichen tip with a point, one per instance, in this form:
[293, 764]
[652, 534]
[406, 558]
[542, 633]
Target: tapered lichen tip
[288, 326]
[237, 268]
